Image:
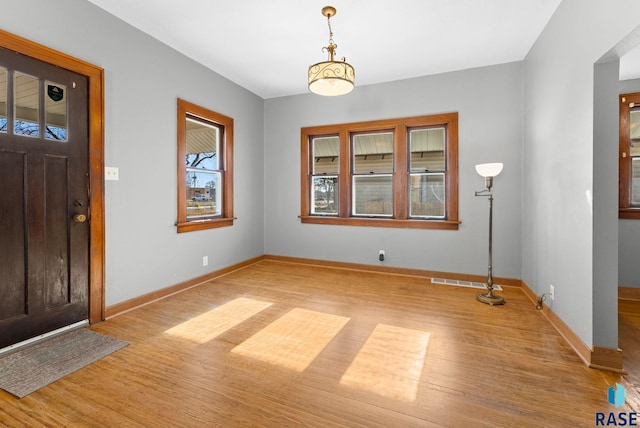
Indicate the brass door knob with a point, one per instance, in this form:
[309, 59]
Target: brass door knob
[79, 218]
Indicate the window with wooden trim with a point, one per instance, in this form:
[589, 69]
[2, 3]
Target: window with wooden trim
[205, 168]
[385, 173]
[629, 174]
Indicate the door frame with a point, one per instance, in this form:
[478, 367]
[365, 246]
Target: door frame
[95, 76]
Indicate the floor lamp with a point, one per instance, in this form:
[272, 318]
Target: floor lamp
[488, 171]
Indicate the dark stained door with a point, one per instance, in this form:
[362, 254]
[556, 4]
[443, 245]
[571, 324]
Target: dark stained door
[44, 232]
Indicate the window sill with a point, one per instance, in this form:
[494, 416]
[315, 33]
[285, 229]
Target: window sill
[380, 222]
[629, 213]
[192, 226]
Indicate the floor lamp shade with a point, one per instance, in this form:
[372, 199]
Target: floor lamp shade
[489, 169]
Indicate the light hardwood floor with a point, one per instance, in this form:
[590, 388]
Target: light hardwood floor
[281, 344]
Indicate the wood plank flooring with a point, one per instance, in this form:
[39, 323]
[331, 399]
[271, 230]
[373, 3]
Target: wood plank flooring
[434, 356]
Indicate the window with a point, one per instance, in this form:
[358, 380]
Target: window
[387, 173]
[29, 93]
[205, 168]
[427, 167]
[629, 174]
[325, 175]
[372, 174]
[3, 99]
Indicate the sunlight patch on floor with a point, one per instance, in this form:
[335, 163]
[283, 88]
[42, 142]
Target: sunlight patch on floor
[389, 363]
[209, 325]
[294, 340]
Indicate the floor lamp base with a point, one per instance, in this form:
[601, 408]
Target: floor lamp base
[490, 299]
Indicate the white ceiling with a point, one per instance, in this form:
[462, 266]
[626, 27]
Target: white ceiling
[267, 46]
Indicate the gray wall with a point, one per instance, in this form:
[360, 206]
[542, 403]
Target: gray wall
[628, 86]
[489, 103]
[628, 250]
[561, 208]
[143, 80]
[629, 230]
[605, 207]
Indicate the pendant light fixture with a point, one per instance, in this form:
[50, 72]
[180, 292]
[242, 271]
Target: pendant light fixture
[331, 78]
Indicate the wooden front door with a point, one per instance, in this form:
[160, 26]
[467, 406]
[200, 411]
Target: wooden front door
[44, 197]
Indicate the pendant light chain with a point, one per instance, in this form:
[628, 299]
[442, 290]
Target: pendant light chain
[330, 30]
[331, 47]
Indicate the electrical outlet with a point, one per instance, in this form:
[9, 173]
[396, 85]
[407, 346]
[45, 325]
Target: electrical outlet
[205, 260]
[111, 173]
[552, 292]
[381, 255]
